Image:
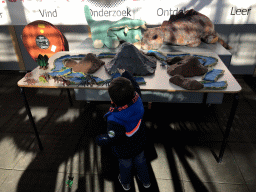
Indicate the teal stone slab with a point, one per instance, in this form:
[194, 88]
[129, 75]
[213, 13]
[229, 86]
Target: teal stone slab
[216, 85]
[106, 55]
[75, 75]
[207, 61]
[77, 80]
[115, 75]
[213, 75]
[140, 80]
[58, 63]
[176, 55]
[60, 70]
[60, 73]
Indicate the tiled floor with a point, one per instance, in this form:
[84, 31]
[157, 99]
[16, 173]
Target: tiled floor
[183, 138]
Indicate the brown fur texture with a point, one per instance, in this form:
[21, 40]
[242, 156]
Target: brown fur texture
[189, 84]
[182, 29]
[89, 64]
[189, 66]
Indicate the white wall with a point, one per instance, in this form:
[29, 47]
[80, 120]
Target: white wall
[234, 20]
[241, 37]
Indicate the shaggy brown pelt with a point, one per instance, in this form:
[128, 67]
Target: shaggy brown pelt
[189, 84]
[189, 66]
[89, 64]
[189, 28]
[173, 60]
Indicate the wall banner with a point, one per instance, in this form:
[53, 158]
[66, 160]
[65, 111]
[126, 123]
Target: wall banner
[71, 12]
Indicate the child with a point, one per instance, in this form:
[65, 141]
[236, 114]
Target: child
[126, 129]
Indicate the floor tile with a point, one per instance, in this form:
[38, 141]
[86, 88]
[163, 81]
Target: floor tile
[44, 97]
[251, 99]
[57, 151]
[11, 97]
[75, 103]
[167, 185]
[13, 147]
[184, 160]
[243, 127]
[85, 161]
[64, 121]
[87, 183]
[19, 181]
[163, 167]
[245, 155]
[201, 166]
[6, 114]
[252, 188]
[20, 123]
[3, 175]
[243, 107]
[214, 187]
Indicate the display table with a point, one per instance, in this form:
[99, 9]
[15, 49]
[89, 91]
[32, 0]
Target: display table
[159, 82]
[159, 92]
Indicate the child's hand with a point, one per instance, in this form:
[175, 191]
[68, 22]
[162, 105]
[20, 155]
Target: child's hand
[121, 71]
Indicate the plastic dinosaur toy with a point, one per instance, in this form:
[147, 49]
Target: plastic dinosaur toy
[109, 33]
[42, 61]
[31, 81]
[60, 79]
[28, 75]
[69, 182]
[43, 79]
[189, 28]
[107, 82]
[89, 80]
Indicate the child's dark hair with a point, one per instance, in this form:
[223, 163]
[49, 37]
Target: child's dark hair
[121, 91]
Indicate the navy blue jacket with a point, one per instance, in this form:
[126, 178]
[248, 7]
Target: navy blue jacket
[125, 127]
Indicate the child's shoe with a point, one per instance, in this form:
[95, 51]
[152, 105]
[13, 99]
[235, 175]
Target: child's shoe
[144, 184]
[126, 187]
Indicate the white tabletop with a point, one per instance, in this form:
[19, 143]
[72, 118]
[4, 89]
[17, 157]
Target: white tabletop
[157, 82]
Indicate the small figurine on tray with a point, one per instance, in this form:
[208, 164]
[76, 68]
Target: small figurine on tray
[42, 61]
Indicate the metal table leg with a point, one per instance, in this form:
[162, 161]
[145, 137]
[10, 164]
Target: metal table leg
[69, 97]
[31, 118]
[228, 127]
[205, 98]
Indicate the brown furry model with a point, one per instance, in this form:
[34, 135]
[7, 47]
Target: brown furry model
[182, 29]
[89, 64]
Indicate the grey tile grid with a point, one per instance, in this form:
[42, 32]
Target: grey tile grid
[180, 156]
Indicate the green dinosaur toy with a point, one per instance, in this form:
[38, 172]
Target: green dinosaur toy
[69, 182]
[110, 32]
[42, 61]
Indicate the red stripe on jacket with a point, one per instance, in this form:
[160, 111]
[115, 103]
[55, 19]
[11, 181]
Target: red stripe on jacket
[129, 134]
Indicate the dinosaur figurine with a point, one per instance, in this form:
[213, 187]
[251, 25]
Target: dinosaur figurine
[189, 28]
[109, 33]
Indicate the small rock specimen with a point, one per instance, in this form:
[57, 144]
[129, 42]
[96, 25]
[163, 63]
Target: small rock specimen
[189, 84]
[128, 57]
[89, 64]
[187, 66]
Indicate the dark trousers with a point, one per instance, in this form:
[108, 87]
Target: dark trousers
[125, 167]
